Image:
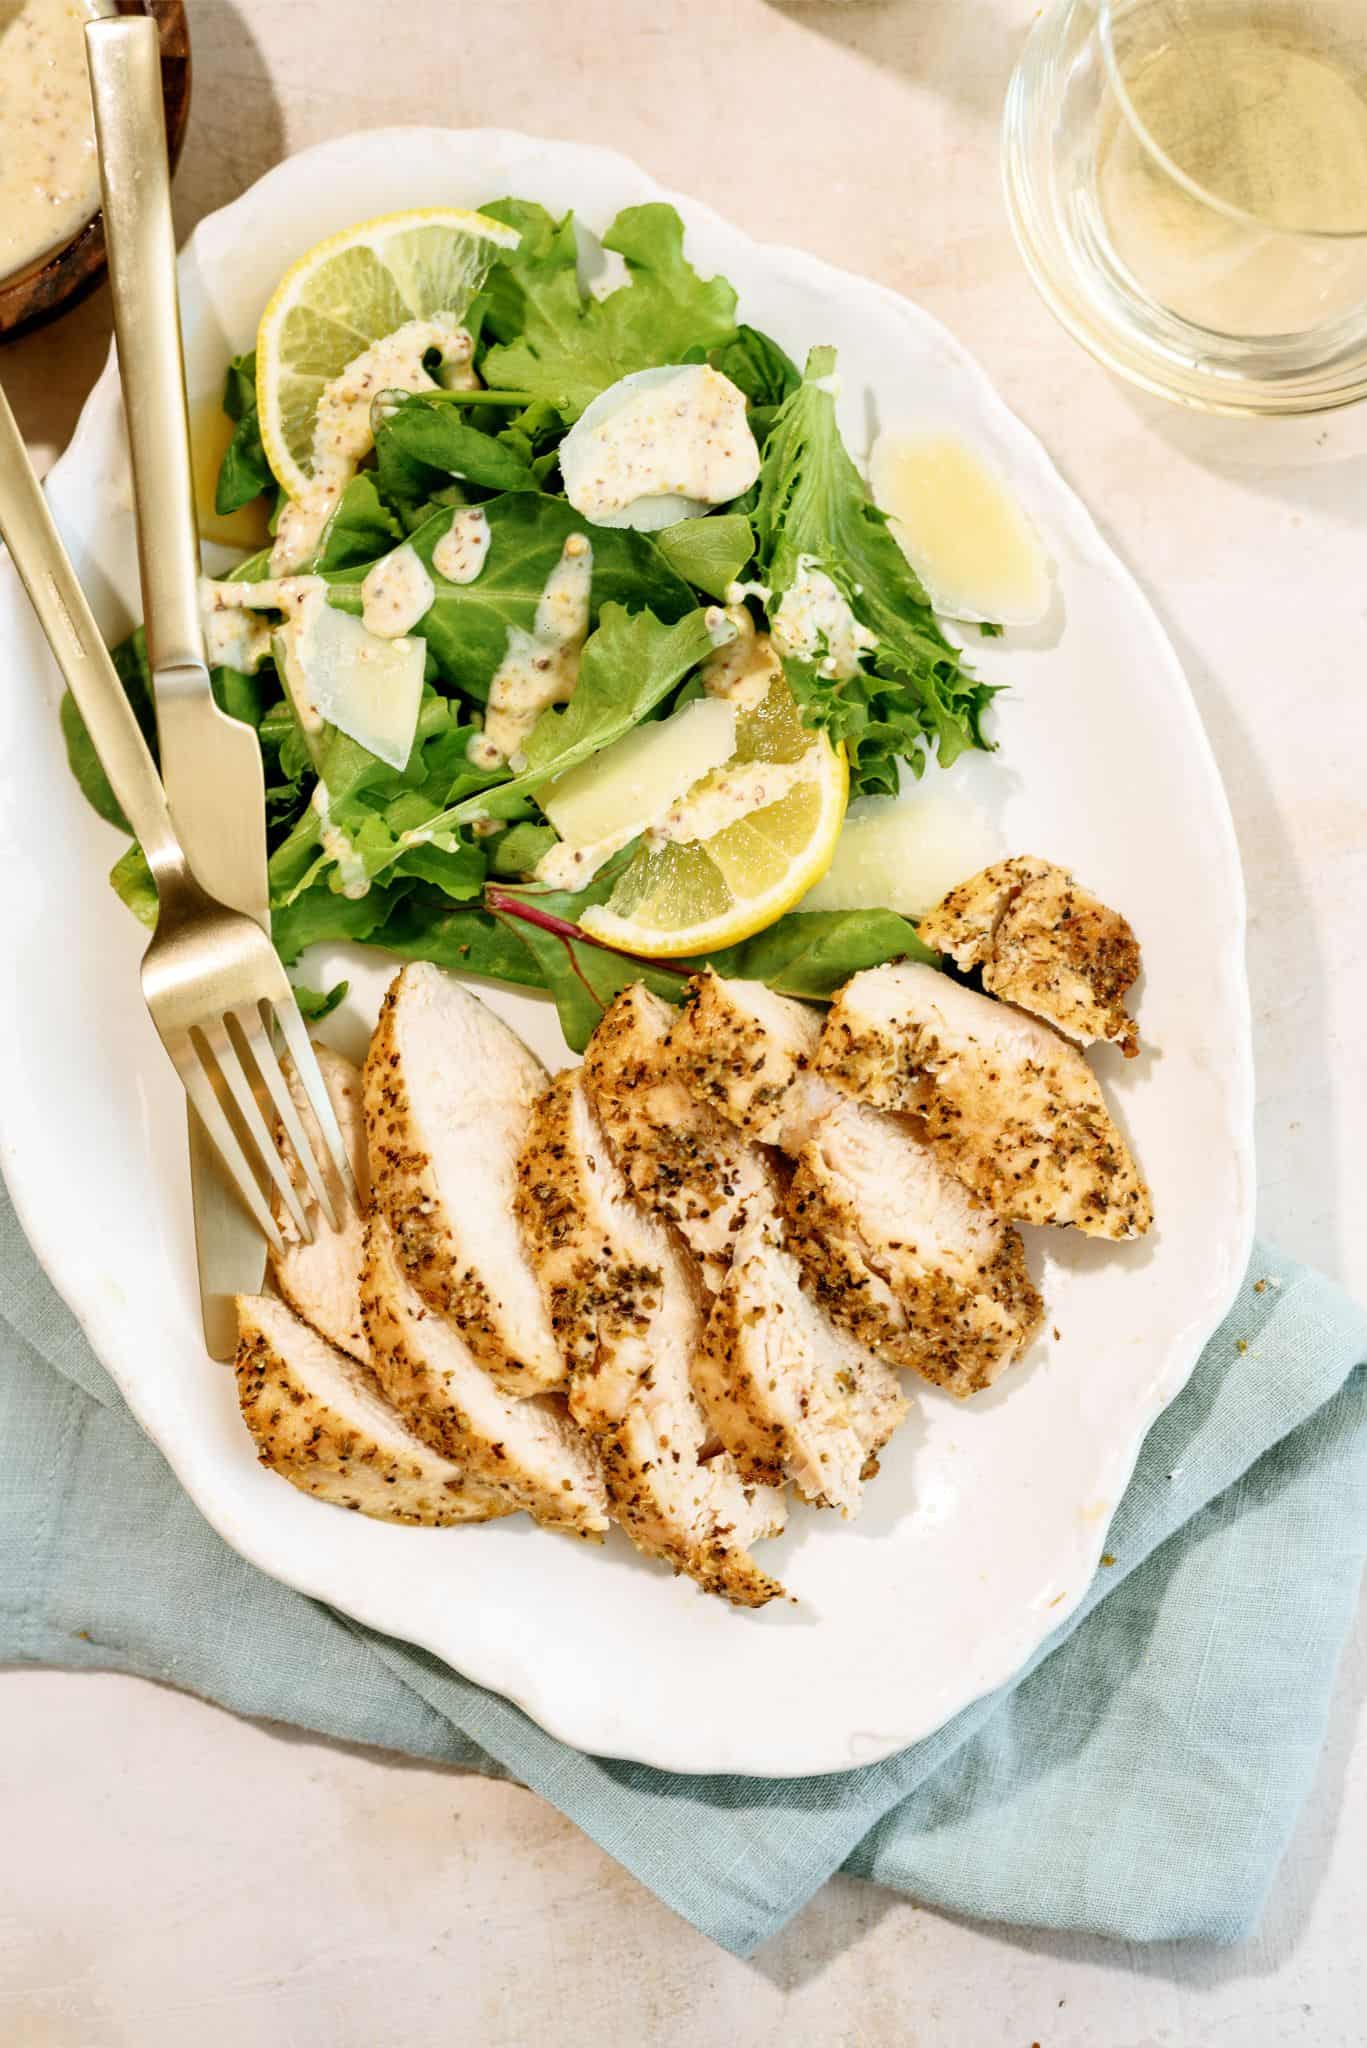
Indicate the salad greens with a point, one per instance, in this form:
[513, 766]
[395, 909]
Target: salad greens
[437, 855]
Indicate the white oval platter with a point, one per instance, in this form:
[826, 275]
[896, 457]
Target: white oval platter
[988, 1520]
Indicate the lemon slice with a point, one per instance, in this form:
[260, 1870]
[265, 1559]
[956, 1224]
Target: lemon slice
[349, 292]
[684, 896]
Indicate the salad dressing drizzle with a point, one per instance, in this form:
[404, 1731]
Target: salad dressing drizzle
[458, 556]
[342, 433]
[396, 593]
[49, 176]
[814, 622]
[540, 667]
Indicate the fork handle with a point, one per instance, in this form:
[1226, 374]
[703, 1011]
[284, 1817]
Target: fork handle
[135, 181]
[65, 617]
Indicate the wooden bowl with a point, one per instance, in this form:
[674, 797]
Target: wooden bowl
[62, 278]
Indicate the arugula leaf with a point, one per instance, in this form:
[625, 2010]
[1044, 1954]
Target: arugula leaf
[812, 503]
[321, 917]
[131, 880]
[130, 660]
[762, 370]
[517, 851]
[314, 1005]
[709, 552]
[566, 347]
[425, 926]
[244, 472]
[628, 666]
[424, 442]
[467, 626]
[359, 531]
[812, 953]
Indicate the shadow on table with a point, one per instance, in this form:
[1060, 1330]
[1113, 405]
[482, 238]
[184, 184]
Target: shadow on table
[922, 40]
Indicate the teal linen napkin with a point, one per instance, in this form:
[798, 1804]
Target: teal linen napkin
[1139, 1779]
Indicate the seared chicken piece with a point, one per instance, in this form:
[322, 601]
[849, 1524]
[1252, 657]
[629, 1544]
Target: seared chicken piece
[321, 1281]
[1044, 943]
[625, 1306]
[1008, 1105]
[319, 1422]
[747, 1053]
[679, 1158]
[790, 1394]
[528, 1454]
[449, 1091]
[899, 1250]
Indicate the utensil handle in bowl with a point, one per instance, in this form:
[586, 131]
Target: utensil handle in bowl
[135, 179]
[65, 616]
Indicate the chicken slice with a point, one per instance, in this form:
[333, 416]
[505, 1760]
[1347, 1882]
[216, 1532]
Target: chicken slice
[319, 1421]
[679, 1158]
[1010, 1106]
[790, 1394]
[449, 1091]
[625, 1305]
[1044, 943]
[900, 1252]
[528, 1454]
[748, 1054]
[322, 1281]
[896, 1248]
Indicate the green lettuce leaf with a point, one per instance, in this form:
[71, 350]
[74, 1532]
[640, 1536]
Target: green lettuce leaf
[709, 553]
[912, 692]
[424, 442]
[565, 347]
[130, 660]
[466, 627]
[244, 472]
[359, 531]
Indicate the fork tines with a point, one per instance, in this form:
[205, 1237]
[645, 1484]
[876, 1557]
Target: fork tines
[233, 1073]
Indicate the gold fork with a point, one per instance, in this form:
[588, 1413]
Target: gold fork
[213, 981]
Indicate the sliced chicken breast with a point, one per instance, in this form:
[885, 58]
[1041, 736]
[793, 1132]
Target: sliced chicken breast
[679, 1157]
[625, 1305]
[319, 1421]
[900, 1252]
[1013, 1109]
[747, 1053]
[449, 1091]
[1043, 943]
[791, 1394]
[322, 1281]
[527, 1453]
[896, 1248]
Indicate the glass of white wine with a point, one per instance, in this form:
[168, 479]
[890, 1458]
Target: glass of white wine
[1187, 181]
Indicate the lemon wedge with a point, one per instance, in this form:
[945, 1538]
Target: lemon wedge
[683, 895]
[349, 292]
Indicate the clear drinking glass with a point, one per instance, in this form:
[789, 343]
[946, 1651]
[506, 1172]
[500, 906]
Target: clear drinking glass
[1187, 181]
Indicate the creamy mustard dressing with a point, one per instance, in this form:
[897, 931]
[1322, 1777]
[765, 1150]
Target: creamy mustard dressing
[396, 593]
[233, 636]
[744, 665]
[728, 794]
[540, 667]
[342, 432]
[49, 177]
[681, 434]
[814, 623]
[336, 845]
[458, 556]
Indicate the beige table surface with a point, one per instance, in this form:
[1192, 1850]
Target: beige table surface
[171, 1875]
